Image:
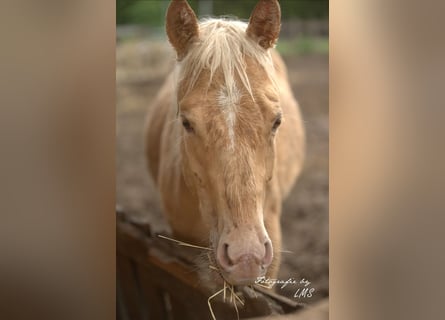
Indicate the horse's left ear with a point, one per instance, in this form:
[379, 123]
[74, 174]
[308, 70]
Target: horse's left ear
[265, 22]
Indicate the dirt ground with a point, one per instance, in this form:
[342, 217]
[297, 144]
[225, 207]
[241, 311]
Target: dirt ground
[141, 68]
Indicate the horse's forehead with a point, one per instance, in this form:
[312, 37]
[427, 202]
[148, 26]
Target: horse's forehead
[236, 117]
[233, 114]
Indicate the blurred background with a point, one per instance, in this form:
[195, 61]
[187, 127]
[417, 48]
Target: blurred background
[144, 58]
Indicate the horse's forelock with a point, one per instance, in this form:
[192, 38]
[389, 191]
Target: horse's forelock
[222, 47]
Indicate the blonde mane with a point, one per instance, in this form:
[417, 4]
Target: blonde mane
[223, 44]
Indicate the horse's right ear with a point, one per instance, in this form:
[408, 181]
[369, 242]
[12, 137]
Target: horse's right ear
[181, 26]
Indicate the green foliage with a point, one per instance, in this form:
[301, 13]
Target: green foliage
[303, 45]
[152, 12]
[149, 12]
[289, 8]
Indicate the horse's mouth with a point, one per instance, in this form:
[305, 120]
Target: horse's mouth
[242, 277]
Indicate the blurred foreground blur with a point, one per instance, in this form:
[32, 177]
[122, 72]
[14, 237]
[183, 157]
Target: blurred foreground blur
[386, 170]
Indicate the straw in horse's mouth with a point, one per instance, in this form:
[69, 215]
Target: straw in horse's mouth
[227, 286]
[182, 243]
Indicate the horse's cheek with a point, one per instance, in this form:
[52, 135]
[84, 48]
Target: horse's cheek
[270, 161]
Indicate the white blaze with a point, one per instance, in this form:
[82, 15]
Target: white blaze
[229, 99]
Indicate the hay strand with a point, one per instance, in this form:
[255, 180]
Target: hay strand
[182, 243]
[210, 305]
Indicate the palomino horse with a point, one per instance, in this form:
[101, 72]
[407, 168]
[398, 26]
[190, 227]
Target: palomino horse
[225, 140]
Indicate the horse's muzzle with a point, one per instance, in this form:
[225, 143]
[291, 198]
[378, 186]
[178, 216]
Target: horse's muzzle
[243, 265]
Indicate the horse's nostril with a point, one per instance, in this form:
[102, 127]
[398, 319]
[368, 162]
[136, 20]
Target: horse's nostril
[226, 255]
[268, 255]
[223, 257]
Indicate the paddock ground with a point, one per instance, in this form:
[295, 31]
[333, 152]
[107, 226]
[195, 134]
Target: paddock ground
[140, 69]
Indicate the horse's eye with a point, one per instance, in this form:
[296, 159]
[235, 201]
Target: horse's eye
[276, 124]
[187, 126]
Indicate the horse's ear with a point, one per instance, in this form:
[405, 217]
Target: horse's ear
[181, 26]
[264, 24]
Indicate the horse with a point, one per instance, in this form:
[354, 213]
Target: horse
[225, 139]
